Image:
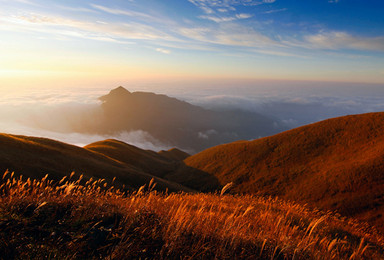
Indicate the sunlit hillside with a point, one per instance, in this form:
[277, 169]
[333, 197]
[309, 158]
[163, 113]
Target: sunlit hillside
[42, 219]
[336, 164]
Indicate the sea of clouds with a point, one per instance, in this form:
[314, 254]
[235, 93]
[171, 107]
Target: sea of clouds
[54, 112]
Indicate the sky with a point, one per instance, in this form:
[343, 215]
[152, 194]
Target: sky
[297, 61]
[109, 43]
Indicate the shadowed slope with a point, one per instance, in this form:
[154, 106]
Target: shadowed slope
[165, 164]
[149, 161]
[34, 157]
[174, 154]
[336, 164]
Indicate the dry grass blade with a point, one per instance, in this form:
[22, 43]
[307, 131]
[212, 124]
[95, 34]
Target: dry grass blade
[226, 188]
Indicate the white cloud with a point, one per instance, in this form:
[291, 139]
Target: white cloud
[213, 6]
[76, 9]
[229, 34]
[29, 2]
[276, 11]
[243, 16]
[121, 12]
[217, 19]
[206, 134]
[113, 32]
[222, 10]
[343, 40]
[163, 51]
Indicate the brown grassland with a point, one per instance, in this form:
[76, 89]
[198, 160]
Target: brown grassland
[88, 219]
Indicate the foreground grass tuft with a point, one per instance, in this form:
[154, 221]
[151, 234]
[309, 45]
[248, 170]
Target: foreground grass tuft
[80, 219]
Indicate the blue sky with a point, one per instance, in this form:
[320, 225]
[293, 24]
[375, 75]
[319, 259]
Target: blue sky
[111, 42]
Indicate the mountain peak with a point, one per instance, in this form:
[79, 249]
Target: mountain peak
[117, 92]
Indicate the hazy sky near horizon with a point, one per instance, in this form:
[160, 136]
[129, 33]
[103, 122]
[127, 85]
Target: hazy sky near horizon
[73, 43]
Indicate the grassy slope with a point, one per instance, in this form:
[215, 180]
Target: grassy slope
[335, 164]
[39, 220]
[35, 157]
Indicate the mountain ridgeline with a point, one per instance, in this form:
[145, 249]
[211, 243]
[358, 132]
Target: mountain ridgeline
[177, 123]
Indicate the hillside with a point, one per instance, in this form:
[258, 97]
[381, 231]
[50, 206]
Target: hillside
[336, 164]
[35, 157]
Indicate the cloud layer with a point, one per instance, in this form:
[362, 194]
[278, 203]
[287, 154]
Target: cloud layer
[57, 114]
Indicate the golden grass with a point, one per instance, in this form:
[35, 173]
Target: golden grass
[67, 219]
[336, 164]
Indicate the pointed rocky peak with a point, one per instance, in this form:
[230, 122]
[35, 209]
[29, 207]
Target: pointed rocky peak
[116, 93]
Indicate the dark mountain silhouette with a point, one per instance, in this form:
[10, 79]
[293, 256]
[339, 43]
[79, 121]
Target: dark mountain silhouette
[178, 123]
[336, 164]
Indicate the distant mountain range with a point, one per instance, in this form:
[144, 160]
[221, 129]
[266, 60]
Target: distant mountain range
[177, 123]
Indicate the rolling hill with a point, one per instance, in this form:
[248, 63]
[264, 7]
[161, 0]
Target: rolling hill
[167, 165]
[35, 157]
[336, 164]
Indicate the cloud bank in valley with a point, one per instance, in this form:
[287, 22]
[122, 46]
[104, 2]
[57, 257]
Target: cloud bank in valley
[61, 114]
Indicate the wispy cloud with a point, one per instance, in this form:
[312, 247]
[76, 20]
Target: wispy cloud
[220, 19]
[161, 35]
[164, 51]
[343, 40]
[76, 9]
[121, 12]
[29, 2]
[212, 6]
[243, 16]
[84, 29]
[217, 19]
[229, 34]
[276, 11]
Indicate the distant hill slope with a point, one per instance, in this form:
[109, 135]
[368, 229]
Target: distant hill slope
[146, 160]
[167, 165]
[174, 154]
[336, 164]
[34, 157]
[178, 123]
